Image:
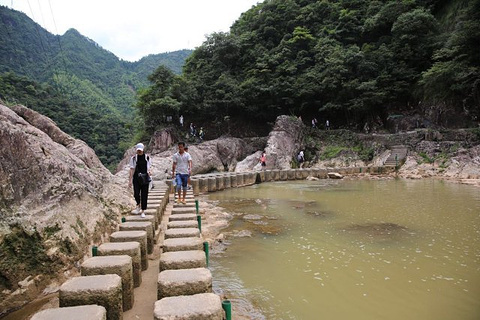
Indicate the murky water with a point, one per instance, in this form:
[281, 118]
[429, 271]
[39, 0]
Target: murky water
[352, 250]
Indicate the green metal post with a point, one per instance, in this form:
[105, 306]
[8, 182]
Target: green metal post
[199, 220]
[196, 206]
[94, 251]
[227, 306]
[123, 219]
[205, 248]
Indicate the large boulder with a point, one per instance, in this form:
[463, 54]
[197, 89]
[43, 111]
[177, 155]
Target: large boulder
[284, 141]
[56, 198]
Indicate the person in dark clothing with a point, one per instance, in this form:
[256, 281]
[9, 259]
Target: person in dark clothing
[140, 165]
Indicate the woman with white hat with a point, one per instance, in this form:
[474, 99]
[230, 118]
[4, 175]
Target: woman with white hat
[140, 178]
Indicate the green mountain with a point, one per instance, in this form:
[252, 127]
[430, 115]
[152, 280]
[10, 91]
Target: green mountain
[350, 61]
[79, 70]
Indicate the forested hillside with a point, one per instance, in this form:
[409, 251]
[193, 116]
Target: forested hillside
[350, 61]
[74, 71]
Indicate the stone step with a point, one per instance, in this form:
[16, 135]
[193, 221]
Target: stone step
[182, 217]
[131, 249]
[91, 312]
[183, 210]
[142, 226]
[198, 306]
[138, 236]
[182, 244]
[154, 201]
[182, 224]
[183, 282]
[103, 290]
[182, 233]
[148, 217]
[120, 265]
[188, 204]
[182, 260]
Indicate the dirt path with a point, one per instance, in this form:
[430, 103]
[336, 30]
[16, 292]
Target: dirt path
[146, 294]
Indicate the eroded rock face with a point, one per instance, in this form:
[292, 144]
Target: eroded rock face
[56, 198]
[283, 143]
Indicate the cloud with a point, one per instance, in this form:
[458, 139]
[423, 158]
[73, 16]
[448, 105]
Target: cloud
[134, 29]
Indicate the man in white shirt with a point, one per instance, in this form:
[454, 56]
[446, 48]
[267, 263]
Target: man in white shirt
[181, 170]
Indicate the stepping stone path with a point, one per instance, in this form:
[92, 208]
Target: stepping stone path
[184, 284]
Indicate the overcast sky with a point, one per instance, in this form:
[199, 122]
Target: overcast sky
[134, 29]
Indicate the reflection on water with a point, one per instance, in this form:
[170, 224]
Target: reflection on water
[352, 250]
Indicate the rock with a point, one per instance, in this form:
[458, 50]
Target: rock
[334, 175]
[54, 194]
[283, 143]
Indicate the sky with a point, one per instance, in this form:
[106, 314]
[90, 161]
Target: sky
[134, 29]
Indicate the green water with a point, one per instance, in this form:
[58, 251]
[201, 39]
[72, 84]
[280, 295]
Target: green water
[352, 250]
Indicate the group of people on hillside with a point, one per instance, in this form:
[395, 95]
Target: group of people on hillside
[193, 129]
[140, 175]
[315, 124]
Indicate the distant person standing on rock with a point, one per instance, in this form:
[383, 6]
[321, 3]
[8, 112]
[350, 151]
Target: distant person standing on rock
[327, 125]
[140, 178]
[181, 120]
[301, 158]
[263, 160]
[182, 163]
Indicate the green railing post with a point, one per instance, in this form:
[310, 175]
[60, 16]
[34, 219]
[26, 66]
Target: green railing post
[199, 220]
[123, 219]
[227, 306]
[205, 248]
[196, 206]
[94, 251]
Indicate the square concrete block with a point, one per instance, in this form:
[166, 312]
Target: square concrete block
[182, 233]
[140, 226]
[182, 244]
[203, 306]
[182, 224]
[182, 260]
[131, 249]
[103, 290]
[90, 312]
[183, 217]
[148, 217]
[183, 282]
[182, 210]
[138, 236]
[120, 265]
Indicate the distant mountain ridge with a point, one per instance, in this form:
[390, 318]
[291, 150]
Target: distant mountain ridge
[29, 50]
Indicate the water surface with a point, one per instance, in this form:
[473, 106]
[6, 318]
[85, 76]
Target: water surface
[328, 249]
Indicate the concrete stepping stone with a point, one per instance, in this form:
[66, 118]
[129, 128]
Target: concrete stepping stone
[90, 312]
[182, 217]
[203, 306]
[148, 217]
[120, 265]
[182, 260]
[183, 282]
[182, 244]
[154, 201]
[182, 224]
[188, 204]
[145, 226]
[138, 236]
[104, 290]
[181, 210]
[182, 233]
[131, 249]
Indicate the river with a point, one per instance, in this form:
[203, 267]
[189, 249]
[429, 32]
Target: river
[330, 249]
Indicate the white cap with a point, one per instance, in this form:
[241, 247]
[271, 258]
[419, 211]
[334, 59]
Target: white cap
[140, 146]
